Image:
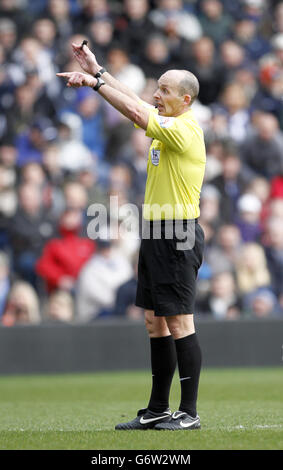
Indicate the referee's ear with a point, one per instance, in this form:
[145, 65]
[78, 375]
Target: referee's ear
[187, 99]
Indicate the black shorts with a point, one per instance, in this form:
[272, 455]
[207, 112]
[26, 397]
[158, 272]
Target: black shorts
[168, 267]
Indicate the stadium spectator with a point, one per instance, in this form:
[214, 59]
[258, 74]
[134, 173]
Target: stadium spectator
[89, 108]
[222, 302]
[168, 11]
[33, 174]
[59, 307]
[63, 257]
[31, 55]
[132, 154]
[246, 33]
[246, 77]
[75, 195]
[118, 64]
[262, 150]
[133, 25]
[31, 144]
[8, 155]
[60, 15]
[209, 70]
[157, 56]
[120, 181]
[278, 18]
[99, 280]
[45, 31]
[31, 109]
[15, 11]
[210, 206]
[254, 8]
[8, 35]
[233, 58]
[223, 253]
[11, 76]
[28, 231]
[251, 269]
[51, 164]
[268, 97]
[22, 306]
[101, 34]
[262, 304]
[215, 23]
[73, 153]
[94, 186]
[91, 9]
[215, 156]
[231, 183]
[236, 105]
[260, 187]
[248, 217]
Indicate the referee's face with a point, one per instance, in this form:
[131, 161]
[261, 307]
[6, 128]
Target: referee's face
[168, 100]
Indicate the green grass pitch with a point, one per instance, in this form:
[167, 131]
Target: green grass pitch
[239, 409]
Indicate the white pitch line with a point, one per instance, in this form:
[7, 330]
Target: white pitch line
[257, 426]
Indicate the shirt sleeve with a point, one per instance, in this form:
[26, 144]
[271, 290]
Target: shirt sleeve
[170, 131]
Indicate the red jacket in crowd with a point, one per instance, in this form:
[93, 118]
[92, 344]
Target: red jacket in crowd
[64, 257]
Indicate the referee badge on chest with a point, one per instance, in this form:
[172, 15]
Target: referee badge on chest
[155, 156]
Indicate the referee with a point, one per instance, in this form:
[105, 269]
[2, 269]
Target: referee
[168, 265]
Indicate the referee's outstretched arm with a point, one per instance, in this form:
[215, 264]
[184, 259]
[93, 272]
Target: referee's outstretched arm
[128, 106]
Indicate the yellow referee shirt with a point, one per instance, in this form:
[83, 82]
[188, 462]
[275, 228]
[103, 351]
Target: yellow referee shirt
[175, 167]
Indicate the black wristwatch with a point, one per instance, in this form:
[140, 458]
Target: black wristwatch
[100, 82]
[100, 72]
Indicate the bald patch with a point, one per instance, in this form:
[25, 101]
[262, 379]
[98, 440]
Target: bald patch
[185, 82]
[189, 85]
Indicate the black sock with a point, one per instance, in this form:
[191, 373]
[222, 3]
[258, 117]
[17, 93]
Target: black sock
[163, 365]
[189, 364]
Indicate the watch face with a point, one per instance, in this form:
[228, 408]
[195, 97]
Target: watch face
[99, 83]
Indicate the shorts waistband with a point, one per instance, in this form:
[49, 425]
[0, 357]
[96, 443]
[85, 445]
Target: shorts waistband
[174, 221]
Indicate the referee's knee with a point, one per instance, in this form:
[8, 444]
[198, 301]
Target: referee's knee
[156, 326]
[180, 325]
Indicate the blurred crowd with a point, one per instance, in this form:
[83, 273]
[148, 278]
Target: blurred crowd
[62, 150]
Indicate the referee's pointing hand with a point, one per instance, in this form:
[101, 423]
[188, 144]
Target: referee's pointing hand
[78, 79]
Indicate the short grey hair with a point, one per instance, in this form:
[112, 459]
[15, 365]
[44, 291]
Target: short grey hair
[189, 84]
